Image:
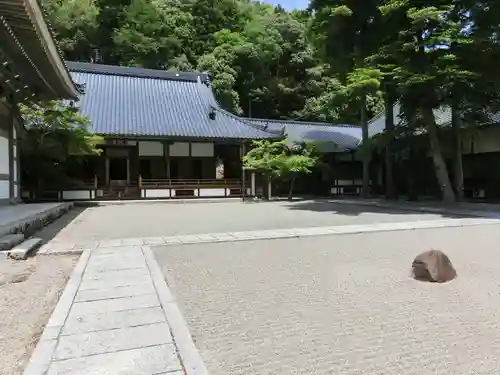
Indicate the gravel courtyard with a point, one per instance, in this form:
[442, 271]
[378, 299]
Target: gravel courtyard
[168, 219]
[341, 304]
[29, 291]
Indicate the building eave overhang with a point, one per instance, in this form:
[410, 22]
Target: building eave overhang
[31, 52]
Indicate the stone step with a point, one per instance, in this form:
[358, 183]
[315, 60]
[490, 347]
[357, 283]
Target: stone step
[21, 252]
[9, 241]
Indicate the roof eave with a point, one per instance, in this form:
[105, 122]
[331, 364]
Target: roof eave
[68, 87]
[182, 138]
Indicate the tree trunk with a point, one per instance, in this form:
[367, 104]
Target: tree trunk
[365, 190]
[442, 176]
[390, 191]
[456, 124]
[290, 190]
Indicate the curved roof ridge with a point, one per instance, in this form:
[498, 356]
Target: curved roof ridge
[246, 122]
[125, 71]
[299, 122]
[212, 102]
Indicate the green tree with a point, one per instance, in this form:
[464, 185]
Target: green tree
[154, 35]
[212, 16]
[75, 23]
[281, 160]
[54, 132]
[220, 64]
[262, 59]
[347, 33]
[427, 46]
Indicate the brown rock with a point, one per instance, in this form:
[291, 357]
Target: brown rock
[433, 266]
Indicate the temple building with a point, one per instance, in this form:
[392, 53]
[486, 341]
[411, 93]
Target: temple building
[480, 147]
[165, 136]
[31, 69]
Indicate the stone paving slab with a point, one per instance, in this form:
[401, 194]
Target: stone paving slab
[112, 340]
[117, 292]
[115, 281]
[116, 321]
[127, 250]
[98, 321]
[102, 274]
[115, 304]
[109, 267]
[153, 360]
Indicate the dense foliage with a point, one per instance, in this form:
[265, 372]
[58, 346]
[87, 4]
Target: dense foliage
[262, 58]
[54, 135]
[282, 160]
[340, 60]
[426, 55]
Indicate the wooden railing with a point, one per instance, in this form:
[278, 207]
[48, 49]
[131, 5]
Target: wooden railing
[56, 193]
[188, 183]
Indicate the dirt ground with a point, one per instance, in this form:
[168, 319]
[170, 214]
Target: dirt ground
[29, 291]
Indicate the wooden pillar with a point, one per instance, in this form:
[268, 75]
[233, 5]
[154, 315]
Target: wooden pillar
[165, 161]
[106, 170]
[128, 170]
[167, 153]
[252, 189]
[243, 179]
[18, 167]
[10, 124]
[190, 164]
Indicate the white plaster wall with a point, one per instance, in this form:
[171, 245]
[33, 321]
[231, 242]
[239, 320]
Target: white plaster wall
[202, 149]
[179, 149]
[4, 189]
[212, 193]
[156, 193]
[4, 155]
[346, 182]
[150, 148]
[378, 126]
[117, 152]
[487, 140]
[340, 190]
[76, 194]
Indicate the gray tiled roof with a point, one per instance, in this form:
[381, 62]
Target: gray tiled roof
[442, 115]
[152, 103]
[331, 137]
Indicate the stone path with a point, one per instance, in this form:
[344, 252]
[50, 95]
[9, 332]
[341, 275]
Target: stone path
[69, 246]
[116, 316]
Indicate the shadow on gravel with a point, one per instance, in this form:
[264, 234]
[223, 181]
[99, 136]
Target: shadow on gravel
[352, 209]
